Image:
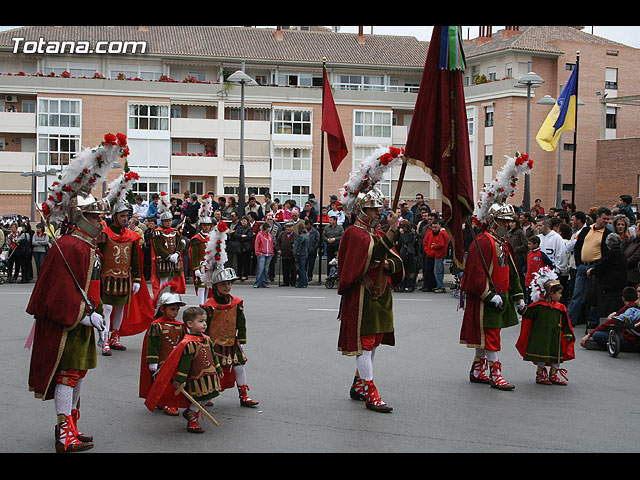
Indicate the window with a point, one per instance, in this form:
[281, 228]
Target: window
[300, 80]
[136, 71]
[28, 106]
[491, 73]
[488, 116]
[148, 188]
[488, 155]
[56, 149]
[508, 70]
[175, 187]
[291, 159]
[361, 82]
[196, 187]
[370, 123]
[611, 121]
[292, 122]
[611, 79]
[59, 113]
[200, 76]
[149, 117]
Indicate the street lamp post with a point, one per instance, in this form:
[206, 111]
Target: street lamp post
[33, 174]
[243, 79]
[528, 81]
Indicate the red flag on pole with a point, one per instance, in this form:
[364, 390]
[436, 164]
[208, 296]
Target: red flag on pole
[438, 140]
[336, 144]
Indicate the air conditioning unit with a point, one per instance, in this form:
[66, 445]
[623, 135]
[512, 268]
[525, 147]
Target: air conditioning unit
[11, 98]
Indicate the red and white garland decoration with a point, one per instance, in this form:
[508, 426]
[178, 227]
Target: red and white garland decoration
[504, 185]
[206, 208]
[540, 278]
[365, 178]
[215, 255]
[80, 175]
[121, 186]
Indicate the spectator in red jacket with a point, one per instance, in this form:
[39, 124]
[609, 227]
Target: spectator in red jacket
[436, 244]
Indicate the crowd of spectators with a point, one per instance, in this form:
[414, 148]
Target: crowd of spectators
[595, 255]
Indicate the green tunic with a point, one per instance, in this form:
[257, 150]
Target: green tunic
[206, 386]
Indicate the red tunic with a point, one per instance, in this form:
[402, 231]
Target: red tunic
[58, 306]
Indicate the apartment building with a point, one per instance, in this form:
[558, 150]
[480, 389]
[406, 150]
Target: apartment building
[165, 87]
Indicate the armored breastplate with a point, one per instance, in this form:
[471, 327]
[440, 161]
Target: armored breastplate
[169, 241]
[117, 259]
[171, 336]
[222, 326]
[202, 363]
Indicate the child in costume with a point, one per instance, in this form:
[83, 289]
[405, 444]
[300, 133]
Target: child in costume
[226, 323]
[163, 335]
[193, 366]
[546, 336]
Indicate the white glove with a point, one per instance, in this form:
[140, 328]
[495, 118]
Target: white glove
[103, 338]
[520, 305]
[174, 258]
[94, 320]
[199, 273]
[153, 367]
[497, 301]
[135, 288]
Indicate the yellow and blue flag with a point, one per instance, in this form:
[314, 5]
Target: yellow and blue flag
[562, 116]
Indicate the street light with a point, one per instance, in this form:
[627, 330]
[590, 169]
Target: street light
[243, 79]
[33, 174]
[528, 81]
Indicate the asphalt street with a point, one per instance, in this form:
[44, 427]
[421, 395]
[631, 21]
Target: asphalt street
[302, 383]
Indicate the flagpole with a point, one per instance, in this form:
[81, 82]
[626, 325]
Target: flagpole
[575, 138]
[324, 63]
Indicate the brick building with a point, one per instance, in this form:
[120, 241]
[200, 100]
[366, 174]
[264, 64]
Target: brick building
[170, 96]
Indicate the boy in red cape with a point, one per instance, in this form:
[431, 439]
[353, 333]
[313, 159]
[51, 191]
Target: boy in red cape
[546, 335]
[163, 335]
[128, 308]
[193, 365]
[167, 246]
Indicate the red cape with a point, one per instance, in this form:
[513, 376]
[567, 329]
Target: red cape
[57, 305]
[145, 373]
[155, 280]
[162, 391]
[568, 350]
[354, 258]
[139, 312]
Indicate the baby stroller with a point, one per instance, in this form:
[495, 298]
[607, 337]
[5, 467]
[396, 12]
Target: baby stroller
[455, 288]
[630, 319]
[4, 266]
[332, 278]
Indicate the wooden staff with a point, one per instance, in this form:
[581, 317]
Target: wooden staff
[396, 197]
[180, 389]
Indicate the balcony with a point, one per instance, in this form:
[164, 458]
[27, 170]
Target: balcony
[17, 122]
[218, 128]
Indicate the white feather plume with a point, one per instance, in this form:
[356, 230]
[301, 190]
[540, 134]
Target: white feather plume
[216, 251]
[503, 186]
[371, 171]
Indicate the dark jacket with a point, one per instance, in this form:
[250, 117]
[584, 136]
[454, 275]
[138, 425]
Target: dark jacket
[580, 241]
[610, 280]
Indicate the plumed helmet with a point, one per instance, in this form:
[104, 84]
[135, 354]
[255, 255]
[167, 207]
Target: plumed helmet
[501, 211]
[82, 204]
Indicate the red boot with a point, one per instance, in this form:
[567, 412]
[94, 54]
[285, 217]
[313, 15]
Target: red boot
[555, 378]
[114, 341]
[357, 390]
[192, 421]
[245, 401]
[66, 440]
[497, 380]
[373, 400]
[75, 413]
[478, 373]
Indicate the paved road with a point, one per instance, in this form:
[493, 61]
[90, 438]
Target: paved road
[302, 383]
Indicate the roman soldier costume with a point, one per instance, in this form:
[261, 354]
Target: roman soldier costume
[226, 323]
[127, 305]
[66, 297]
[369, 269]
[197, 247]
[490, 282]
[167, 246]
